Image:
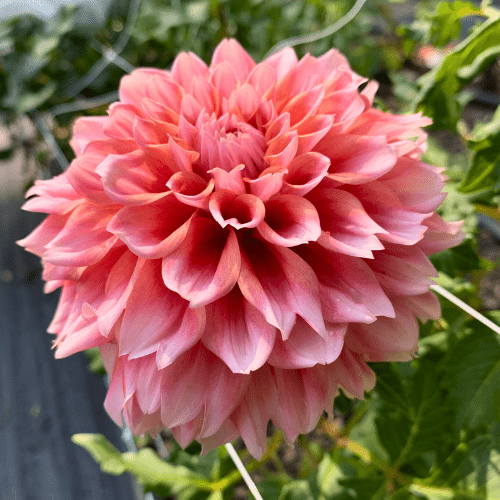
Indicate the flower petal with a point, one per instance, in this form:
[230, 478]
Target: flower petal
[305, 348]
[206, 266]
[290, 220]
[238, 333]
[237, 210]
[153, 230]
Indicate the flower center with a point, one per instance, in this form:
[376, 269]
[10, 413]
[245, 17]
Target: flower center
[227, 142]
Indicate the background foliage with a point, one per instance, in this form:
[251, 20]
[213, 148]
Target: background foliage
[431, 428]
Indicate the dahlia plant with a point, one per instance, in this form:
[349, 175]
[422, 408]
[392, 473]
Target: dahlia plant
[239, 240]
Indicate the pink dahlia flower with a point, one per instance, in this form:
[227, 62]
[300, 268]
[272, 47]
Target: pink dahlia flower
[239, 240]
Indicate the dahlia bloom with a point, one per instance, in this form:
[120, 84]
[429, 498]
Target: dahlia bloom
[239, 240]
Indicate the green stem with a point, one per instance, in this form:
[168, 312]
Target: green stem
[235, 476]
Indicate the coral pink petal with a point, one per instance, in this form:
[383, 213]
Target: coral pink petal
[305, 172]
[282, 150]
[416, 184]
[356, 159]
[349, 275]
[120, 124]
[85, 130]
[232, 52]
[83, 336]
[55, 196]
[402, 225]
[133, 87]
[238, 333]
[440, 235]
[145, 313]
[139, 228]
[348, 228]
[165, 92]
[290, 220]
[262, 78]
[206, 266]
[119, 284]
[224, 80]
[302, 397]
[84, 239]
[280, 285]
[352, 373]
[387, 336]
[231, 180]
[253, 413]
[304, 104]
[226, 433]
[339, 307]
[238, 210]
[186, 67]
[305, 348]
[311, 131]
[191, 189]
[425, 306]
[128, 180]
[282, 62]
[268, 184]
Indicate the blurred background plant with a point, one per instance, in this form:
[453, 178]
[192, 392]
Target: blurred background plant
[431, 428]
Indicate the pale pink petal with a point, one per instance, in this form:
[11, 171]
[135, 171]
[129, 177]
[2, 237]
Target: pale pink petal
[253, 413]
[305, 172]
[305, 348]
[145, 313]
[139, 228]
[350, 275]
[440, 234]
[347, 228]
[87, 129]
[83, 240]
[356, 159]
[128, 179]
[238, 333]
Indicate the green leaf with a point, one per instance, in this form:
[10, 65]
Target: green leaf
[33, 100]
[102, 451]
[327, 477]
[366, 488]
[151, 471]
[296, 490]
[473, 377]
[439, 88]
[484, 171]
[446, 21]
[459, 260]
